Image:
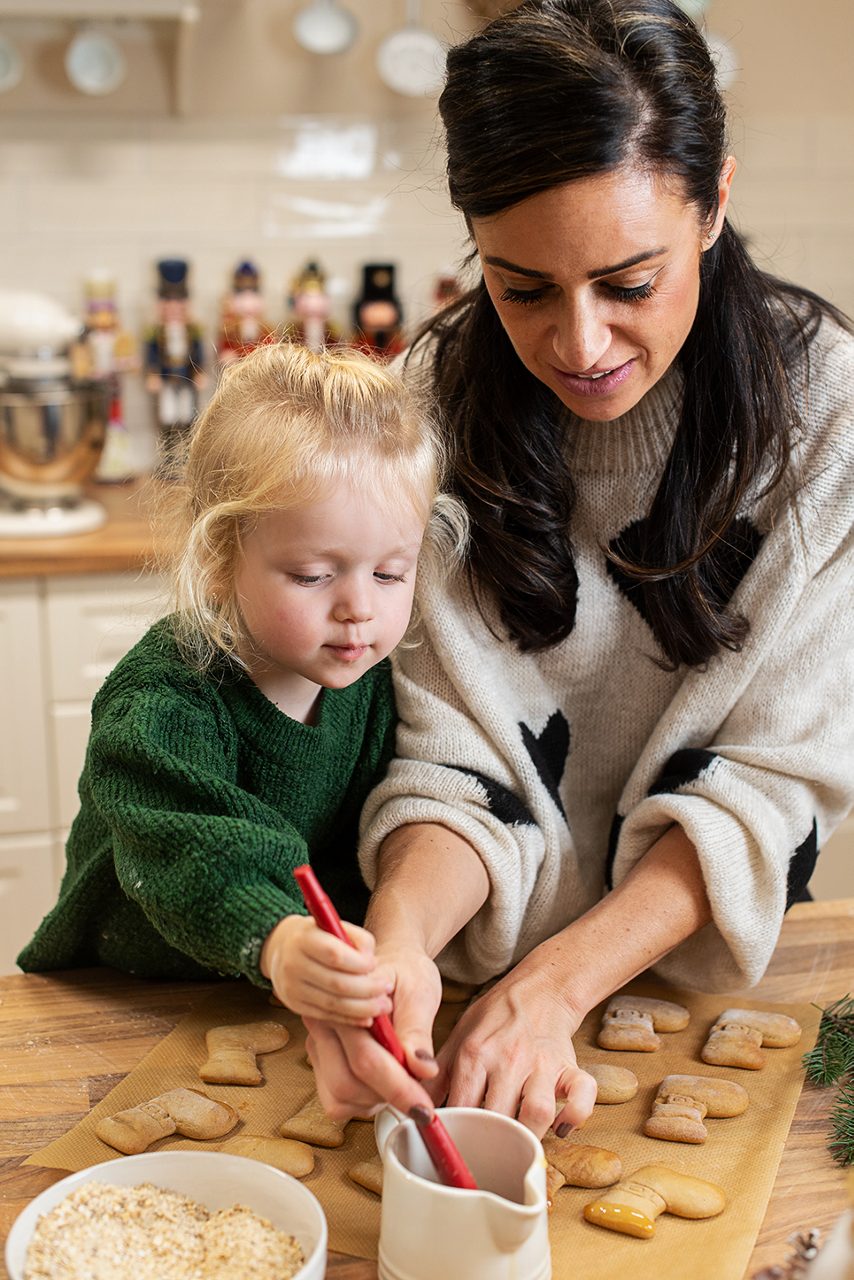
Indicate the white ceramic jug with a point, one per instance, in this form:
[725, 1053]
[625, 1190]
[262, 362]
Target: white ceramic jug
[432, 1232]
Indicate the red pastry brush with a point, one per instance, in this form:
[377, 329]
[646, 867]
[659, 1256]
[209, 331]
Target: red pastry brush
[450, 1166]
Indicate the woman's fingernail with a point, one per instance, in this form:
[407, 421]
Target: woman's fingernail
[563, 1129]
[425, 1055]
[420, 1115]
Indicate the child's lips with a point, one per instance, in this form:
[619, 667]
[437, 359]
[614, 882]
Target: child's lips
[348, 652]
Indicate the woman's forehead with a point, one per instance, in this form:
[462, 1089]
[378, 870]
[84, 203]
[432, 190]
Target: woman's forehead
[609, 216]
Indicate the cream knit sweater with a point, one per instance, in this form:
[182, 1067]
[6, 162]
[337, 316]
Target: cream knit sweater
[562, 768]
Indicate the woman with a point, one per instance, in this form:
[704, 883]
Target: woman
[627, 729]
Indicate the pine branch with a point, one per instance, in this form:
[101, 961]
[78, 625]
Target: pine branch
[833, 1055]
[832, 1062]
[841, 1141]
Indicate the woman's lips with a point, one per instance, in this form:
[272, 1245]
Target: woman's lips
[587, 385]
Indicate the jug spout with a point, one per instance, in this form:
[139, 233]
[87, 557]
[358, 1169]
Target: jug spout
[510, 1224]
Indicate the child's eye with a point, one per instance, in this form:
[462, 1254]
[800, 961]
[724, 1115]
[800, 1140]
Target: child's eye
[389, 577]
[637, 294]
[308, 579]
[526, 297]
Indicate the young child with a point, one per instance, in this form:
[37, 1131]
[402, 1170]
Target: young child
[241, 735]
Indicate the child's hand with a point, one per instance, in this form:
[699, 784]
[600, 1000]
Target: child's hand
[318, 976]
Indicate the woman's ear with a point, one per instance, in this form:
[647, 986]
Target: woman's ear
[724, 188]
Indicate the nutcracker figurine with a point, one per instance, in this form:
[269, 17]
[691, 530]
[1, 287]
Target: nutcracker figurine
[173, 356]
[446, 290]
[243, 325]
[377, 313]
[106, 351]
[310, 307]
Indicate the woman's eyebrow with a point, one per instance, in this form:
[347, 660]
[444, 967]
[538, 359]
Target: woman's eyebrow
[591, 275]
[516, 269]
[628, 262]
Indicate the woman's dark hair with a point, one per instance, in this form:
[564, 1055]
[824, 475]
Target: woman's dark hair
[554, 91]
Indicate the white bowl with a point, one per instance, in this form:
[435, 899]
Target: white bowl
[213, 1178]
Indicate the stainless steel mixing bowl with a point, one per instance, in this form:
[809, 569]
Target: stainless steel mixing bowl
[51, 437]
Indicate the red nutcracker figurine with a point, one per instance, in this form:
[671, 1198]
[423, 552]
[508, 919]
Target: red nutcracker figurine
[377, 313]
[243, 325]
[310, 307]
[173, 356]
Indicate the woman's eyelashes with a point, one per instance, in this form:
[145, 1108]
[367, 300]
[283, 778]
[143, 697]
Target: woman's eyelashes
[622, 293]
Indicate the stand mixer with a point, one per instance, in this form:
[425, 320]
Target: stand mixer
[52, 426]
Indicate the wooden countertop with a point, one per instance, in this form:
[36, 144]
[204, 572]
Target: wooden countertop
[123, 543]
[66, 1039]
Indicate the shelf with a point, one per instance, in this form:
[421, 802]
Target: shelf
[76, 10]
[184, 14]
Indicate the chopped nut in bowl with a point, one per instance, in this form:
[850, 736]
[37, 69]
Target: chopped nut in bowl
[171, 1215]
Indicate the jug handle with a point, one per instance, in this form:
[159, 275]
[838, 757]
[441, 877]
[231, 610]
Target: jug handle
[385, 1122]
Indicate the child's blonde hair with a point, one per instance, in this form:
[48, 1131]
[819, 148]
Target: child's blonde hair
[283, 424]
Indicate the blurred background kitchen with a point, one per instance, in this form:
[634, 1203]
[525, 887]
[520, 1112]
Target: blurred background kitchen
[232, 166]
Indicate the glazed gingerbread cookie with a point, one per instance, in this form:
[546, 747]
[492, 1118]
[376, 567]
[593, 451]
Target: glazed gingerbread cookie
[633, 1206]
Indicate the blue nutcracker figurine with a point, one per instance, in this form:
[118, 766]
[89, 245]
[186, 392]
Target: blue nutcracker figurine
[173, 356]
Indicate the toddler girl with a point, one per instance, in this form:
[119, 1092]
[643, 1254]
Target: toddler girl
[241, 735]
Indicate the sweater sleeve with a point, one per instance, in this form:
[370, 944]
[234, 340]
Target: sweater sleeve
[209, 863]
[760, 797]
[461, 764]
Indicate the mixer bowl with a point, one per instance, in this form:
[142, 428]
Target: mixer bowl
[51, 438]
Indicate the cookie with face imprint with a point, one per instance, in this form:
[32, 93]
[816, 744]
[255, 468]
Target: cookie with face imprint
[682, 1103]
[738, 1037]
[630, 1023]
[633, 1205]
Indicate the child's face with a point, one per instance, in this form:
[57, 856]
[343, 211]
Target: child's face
[325, 592]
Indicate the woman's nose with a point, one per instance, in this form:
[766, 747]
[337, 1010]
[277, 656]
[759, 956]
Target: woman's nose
[582, 336]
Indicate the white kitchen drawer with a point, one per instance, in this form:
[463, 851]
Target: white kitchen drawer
[27, 891]
[92, 621]
[69, 723]
[24, 789]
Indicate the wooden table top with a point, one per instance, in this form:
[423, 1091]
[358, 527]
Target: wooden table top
[66, 1040]
[123, 543]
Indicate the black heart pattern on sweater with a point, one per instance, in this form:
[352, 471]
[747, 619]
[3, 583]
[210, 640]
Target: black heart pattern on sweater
[506, 806]
[682, 767]
[686, 766]
[723, 571]
[549, 751]
[801, 866]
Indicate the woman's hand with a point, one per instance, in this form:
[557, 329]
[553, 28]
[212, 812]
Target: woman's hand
[318, 976]
[512, 1052]
[355, 1075]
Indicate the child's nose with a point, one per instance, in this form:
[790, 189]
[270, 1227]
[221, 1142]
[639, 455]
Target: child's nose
[353, 604]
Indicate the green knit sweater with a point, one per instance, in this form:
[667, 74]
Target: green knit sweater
[197, 799]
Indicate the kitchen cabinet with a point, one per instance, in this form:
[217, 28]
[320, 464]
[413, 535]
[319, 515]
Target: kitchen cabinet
[59, 637]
